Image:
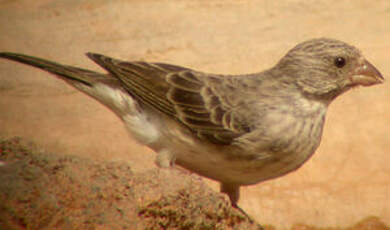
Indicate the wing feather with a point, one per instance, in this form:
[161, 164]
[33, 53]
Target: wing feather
[181, 93]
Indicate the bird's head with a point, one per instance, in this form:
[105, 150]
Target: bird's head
[324, 68]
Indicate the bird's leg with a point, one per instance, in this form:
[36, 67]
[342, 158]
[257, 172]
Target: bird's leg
[233, 191]
[165, 159]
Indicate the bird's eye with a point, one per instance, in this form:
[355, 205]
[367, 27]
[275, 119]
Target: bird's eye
[339, 62]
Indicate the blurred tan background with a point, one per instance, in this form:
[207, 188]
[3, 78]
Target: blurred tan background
[348, 178]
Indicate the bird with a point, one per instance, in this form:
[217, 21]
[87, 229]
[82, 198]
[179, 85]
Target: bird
[238, 130]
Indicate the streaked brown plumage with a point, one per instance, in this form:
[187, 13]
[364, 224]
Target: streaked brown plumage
[236, 129]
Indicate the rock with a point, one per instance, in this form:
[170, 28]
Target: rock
[41, 190]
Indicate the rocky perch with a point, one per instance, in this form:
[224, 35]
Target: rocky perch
[46, 191]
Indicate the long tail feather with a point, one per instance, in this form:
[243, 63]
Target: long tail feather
[68, 72]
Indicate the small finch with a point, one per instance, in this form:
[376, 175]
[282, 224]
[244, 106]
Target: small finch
[235, 129]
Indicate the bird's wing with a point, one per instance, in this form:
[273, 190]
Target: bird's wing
[184, 94]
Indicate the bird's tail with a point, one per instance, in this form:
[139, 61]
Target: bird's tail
[105, 88]
[70, 74]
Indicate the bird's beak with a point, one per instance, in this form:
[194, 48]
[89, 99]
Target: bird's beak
[366, 74]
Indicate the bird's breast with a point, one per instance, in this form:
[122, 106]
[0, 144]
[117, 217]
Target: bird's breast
[294, 137]
[292, 141]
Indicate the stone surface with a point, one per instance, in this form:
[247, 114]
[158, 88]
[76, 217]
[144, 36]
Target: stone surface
[40, 190]
[49, 191]
[345, 181]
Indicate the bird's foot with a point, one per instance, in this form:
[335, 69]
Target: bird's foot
[251, 220]
[233, 191]
[165, 159]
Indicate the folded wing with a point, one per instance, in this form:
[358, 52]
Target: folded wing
[186, 95]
